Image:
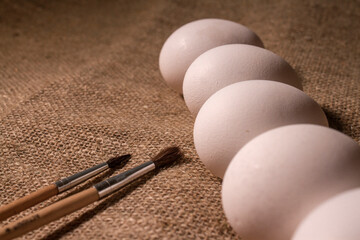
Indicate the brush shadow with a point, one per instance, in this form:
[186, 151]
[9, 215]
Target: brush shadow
[107, 202]
[214, 178]
[113, 199]
[180, 162]
[97, 179]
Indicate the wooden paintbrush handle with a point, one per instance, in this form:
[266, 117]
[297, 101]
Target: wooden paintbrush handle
[28, 201]
[49, 214]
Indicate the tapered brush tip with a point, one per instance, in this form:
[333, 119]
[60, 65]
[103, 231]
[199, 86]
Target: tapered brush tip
[117, 161]
[167, 156]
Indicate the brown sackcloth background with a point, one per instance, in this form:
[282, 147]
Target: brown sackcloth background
[79, 83]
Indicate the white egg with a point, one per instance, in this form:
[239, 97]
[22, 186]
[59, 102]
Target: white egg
[338, 218]
[276, 179]
[227, 64]
[194, 38]
[241, 111]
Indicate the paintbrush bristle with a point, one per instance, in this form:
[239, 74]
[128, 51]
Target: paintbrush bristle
[116, 161]
[166, 156]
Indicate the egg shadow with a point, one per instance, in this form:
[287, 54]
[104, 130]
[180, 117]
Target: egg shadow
[300, 75]
[334, 120]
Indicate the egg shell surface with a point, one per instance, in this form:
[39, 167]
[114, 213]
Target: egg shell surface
[194, 38]
[276, 179]
[241, 111]
[227, 64]
[335, 219]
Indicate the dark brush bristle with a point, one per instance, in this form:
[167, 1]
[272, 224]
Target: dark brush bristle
[116, 161]
[166, 156]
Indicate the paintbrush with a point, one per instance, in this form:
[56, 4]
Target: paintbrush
[86, 197]
[58, 187]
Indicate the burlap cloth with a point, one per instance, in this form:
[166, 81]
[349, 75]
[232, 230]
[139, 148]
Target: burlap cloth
[79, 83]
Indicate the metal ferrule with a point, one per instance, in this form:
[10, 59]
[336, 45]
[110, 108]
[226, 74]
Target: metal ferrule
[114, 183]
[69, 182]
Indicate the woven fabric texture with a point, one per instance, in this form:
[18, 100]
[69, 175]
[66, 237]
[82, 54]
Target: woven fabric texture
[80, 83]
